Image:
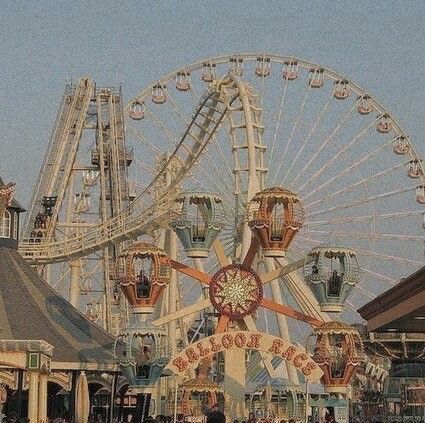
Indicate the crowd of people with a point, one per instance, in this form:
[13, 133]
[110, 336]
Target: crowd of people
[215, 415]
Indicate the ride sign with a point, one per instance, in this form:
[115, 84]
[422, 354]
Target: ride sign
[191, 356]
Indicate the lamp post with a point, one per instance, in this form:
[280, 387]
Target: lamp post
[175, 397]
[306, 400]
[112, 398]
[168, 372]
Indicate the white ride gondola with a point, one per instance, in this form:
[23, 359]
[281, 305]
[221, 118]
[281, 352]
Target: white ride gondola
[341, 91]
[384, 123]
[199, 222]
[137, 110]
[401, 145]
[236, 65]
[290, 70]
[364, 104]
[414, 170]
[316, 79]
[331, 275]
[420, 194]
[263, 67]
[208, 71]
[159, 94]
[183, 81]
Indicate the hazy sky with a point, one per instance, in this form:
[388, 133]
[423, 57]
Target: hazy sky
[378, 44]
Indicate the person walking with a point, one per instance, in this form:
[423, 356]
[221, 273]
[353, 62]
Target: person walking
[251, 418]
[216, 416]
[12, 417]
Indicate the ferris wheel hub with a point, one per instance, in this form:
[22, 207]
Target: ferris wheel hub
[236, 291]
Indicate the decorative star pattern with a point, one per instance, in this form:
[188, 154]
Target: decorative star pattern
[235, 291]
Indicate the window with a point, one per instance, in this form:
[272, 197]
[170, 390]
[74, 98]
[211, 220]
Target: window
[15, 226]
[5, 228]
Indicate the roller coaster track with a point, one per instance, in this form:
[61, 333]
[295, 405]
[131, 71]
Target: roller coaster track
[61, 148]
[141, 218]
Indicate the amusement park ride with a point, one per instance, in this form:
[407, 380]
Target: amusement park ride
[256, 186]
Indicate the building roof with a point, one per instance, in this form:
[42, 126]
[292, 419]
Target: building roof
[14, 204]
[401, 308]
[31, 309]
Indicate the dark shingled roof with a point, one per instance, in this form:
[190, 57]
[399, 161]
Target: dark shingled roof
[31, 309]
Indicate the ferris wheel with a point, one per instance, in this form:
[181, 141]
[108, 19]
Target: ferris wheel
[229, 128]
[236, 125]
[238, 144]
[292, 194]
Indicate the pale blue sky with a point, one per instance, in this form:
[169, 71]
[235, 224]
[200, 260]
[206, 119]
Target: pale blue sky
[379, 44]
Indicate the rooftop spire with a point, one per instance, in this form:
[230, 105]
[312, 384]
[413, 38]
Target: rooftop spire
[6, 197]
[9, 216]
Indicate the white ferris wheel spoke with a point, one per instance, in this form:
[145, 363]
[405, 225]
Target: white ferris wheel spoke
[389, 257]
[312, 130]
[279, 120]
[176, 110]
[355, 165]
[368, 235]
[351, 306]
[359, 136]
[205, 177]
[361, 251]
[363, 200]
[63, 276]
[356, 185]
[301, 239]
[142, 165]
[183, 312]
[169, 134]
[363, 218]
[384, 278]
[139, 135]
[223, 158]
[218, 173]
[294, 128]
[364, 291]
[326, 142]
[261, 91]
[193, 93]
